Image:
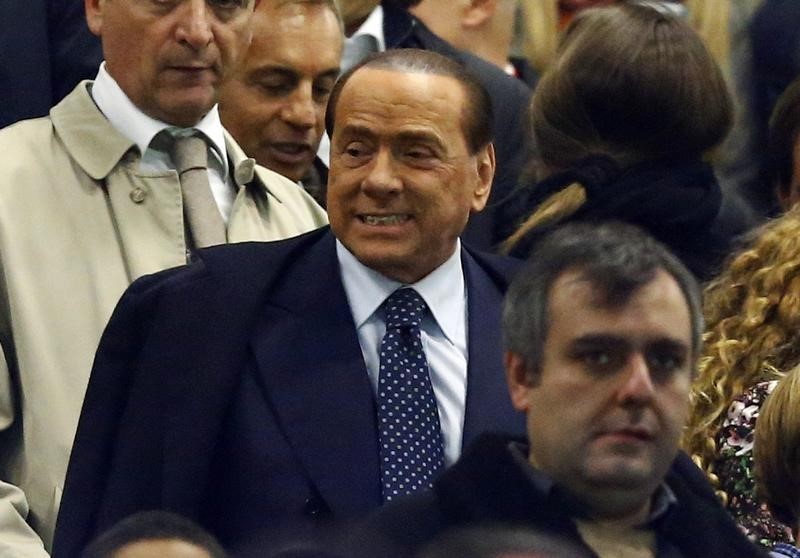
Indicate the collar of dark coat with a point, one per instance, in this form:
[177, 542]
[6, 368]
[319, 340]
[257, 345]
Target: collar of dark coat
[403, 30]
[488, 485]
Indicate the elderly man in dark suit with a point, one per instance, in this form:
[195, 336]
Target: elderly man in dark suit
[284, 385]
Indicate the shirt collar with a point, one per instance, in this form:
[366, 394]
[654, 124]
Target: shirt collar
[367, 289]
[141, 128]
[373, 25]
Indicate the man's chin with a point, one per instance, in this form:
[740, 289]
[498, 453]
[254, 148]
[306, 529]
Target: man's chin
[621, 473]
[185, 109]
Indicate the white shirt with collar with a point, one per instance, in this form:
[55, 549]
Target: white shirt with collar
[373, 25]
[140, 128]
[443, 332]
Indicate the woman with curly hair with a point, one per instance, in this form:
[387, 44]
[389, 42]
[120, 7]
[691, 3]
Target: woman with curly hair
[752, 338]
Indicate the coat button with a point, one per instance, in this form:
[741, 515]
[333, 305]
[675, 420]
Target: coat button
[138, 195]
[312, 507]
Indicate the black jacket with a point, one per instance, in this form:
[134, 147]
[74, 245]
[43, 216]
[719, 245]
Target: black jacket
[487, 486]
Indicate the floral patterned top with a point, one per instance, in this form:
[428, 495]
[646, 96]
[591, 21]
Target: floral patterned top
[735, 468]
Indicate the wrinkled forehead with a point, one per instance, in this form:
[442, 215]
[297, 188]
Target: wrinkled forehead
[396, 97]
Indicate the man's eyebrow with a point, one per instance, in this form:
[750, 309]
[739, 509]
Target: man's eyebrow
[670, 344]
[604, 339]
[330, 73]
[594, 339]
[350, 130]
[421, 136]
[267, 71]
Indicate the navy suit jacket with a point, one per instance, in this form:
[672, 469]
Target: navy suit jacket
[47, 49]
[510, 99]
[233, 391]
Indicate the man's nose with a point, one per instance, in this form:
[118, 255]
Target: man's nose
[300, 110]
[637, 383]
[194, 25]
[382, 177]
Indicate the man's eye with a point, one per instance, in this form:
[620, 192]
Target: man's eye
[275, 88]
[355, 150]
[663, 365]
[419, 153]
[227, 4]
[321, 93]
[596, 358]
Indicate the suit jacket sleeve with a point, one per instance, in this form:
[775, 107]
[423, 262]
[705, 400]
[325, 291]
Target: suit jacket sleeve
[104, 408]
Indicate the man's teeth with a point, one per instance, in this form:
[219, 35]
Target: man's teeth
[385, 219]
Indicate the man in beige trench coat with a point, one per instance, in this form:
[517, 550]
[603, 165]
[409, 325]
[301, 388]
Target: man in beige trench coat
[89, 201]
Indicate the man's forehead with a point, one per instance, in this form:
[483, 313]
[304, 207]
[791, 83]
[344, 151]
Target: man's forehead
[655, 308]
[401, 82]
[386, 95]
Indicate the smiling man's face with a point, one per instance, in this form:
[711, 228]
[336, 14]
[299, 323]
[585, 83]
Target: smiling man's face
[170, 56]
[402, 181]
[275, 103]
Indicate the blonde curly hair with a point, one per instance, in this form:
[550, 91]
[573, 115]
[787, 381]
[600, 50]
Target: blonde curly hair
[752, 313]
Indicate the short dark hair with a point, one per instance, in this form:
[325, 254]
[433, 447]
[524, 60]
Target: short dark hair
[149, 526]
[632, 83]
[476, 120]
[784, 131]
[617, 259]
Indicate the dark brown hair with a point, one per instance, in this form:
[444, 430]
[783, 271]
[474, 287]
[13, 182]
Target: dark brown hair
[632, 83]
[784, 130]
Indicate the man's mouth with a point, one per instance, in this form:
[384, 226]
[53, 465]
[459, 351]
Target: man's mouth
[290, 148]
[631, 434]
[385, 220]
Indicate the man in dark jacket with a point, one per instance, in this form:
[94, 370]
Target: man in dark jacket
[601, 332]
[258, 391]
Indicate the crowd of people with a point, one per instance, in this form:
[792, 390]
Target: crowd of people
[412, 278]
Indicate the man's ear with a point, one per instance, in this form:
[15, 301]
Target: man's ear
[477, 13]
[518, 379]
[485, 162]
[94, 15]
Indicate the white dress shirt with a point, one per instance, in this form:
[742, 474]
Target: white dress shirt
[141, 129]
[443, 332]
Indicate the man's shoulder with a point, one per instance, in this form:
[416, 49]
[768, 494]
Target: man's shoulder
[75, 133]
[501, 269]
[236, 265]
[494, 79]
[301, 210]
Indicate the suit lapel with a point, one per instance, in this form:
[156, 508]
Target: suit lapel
[310, 363]
[488, 405]
[201, 342]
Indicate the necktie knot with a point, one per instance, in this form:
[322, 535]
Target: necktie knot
[189, 152]
[404, 308]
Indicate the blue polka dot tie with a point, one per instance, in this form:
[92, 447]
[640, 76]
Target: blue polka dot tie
[411, 448]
